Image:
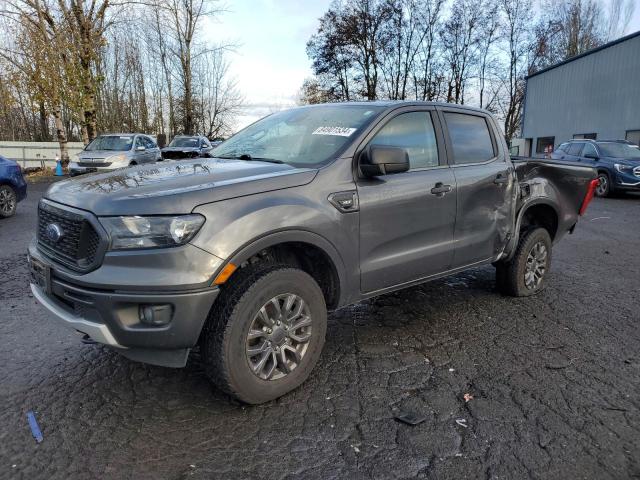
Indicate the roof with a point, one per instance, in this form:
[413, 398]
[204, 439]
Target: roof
[396, 104]
[588, 52]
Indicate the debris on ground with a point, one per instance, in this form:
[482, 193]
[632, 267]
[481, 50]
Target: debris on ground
[35, 429]
[410, 418]
[467, 397]
[462, 422]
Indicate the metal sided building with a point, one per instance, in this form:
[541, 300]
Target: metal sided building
[594, 95]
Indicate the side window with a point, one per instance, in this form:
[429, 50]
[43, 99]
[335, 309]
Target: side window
[589, 149]
[470, 138]
[415, 133]
[575, 149]
[563, 147]
[148, 142]
[139, 142]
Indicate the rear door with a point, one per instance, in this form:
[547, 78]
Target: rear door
[589, 149]
[152, 149]
[485, 181]
[574, 152]
[407, 219]
[139, 156]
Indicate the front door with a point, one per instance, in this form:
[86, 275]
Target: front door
[485, 184]
[407, 219]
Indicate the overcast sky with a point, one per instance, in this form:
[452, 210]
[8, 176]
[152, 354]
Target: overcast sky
[270, 62]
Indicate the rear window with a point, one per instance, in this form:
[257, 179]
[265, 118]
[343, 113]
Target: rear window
[575, 149]
[470, 138]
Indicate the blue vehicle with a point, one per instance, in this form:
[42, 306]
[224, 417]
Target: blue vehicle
[617, 162]
[13, 187]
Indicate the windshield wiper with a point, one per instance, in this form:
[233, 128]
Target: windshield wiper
[248, 157]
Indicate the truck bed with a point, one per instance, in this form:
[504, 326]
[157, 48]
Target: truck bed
[562, 184]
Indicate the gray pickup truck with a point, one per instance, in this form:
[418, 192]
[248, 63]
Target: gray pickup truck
[306, 210]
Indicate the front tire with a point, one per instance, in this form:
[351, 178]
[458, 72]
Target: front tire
[525, 274]
[604, 188]
[265, 332]
[8, 201]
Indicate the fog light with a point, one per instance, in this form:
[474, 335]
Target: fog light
[156, 314]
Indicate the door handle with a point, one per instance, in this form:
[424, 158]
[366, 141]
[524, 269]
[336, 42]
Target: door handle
[501, 178]
[440, 189]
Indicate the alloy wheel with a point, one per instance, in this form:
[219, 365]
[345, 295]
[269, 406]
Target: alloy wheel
[536, 266]
[603, 185]
[279, 337]
[7, 201]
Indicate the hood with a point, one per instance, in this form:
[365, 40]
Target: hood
[174, 188]
[5, 162]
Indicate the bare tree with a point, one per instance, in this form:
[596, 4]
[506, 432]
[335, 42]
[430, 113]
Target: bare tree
[332, 62]
[183, 20]
[426, 79]
[517, 45]
[219, 98]
[490, 26]
[460, 37]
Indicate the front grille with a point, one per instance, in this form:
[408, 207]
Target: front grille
[79, 243]
[94, 164]
[173, 155]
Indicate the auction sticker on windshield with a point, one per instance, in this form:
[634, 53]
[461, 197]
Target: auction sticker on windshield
[339, 131]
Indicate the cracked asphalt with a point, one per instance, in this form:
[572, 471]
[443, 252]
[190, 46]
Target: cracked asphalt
[555, 381]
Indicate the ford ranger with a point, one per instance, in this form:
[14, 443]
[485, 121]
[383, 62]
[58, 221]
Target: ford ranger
[304, 211]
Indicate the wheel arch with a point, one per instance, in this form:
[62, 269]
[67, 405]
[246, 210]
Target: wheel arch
[539, 212]
[307, 250]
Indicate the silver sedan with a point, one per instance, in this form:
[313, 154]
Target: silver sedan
[109, 152]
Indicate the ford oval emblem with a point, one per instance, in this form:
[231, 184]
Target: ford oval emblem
[53, 232]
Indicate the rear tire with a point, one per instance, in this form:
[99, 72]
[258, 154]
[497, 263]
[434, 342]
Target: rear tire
[8, 201]
[525, 274]
[245, 320]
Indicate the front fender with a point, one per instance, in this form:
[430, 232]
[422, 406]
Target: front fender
[239, 228]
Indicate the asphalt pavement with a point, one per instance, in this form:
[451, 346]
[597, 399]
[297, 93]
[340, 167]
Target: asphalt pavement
[543, 387]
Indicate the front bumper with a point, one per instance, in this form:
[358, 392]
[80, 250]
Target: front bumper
[628, 181]
[112, 311]
[76, 169]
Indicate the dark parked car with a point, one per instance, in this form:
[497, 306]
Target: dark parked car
[305, 210]
[13, 187]
[617, 162]
[183, 146]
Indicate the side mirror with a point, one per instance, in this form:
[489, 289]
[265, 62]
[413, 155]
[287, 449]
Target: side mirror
[140, 149]
[379, 160]
[592, 155]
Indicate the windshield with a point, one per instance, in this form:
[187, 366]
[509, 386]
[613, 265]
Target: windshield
[184, 142]
[302, 137]
[619, 150]
[111, 142]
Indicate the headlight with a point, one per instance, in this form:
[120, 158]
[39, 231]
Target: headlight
[151, 232]
[622, 168]
[117, 158]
